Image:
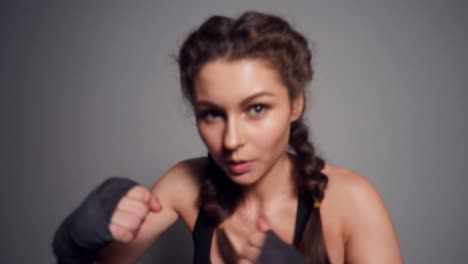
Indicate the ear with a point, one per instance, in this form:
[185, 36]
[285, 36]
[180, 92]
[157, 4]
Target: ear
[297, 107]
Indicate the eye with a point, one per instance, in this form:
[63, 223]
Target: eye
[257, 109]
[209, 115]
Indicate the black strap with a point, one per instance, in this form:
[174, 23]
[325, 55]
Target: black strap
[202, 236]
[304, 209]
[276, 251]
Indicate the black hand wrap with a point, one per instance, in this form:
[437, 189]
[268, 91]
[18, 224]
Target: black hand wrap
[275, 251]
[86, 229]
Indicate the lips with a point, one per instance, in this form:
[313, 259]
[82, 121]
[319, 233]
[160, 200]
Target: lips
[239, 167]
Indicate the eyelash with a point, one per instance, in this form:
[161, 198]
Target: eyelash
[263, 108]
[204, 114]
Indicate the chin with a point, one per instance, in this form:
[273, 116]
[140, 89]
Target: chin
[244, 180]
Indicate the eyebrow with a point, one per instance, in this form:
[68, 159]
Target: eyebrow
[244, 102]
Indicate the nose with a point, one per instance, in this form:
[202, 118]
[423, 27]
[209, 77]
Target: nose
[232, 134]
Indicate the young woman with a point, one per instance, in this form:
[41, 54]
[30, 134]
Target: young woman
[245, 79]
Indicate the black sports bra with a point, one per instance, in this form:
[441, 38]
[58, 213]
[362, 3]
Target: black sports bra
[204, 229]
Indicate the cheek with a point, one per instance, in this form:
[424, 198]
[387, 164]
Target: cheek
[272, 133]
[210, 137]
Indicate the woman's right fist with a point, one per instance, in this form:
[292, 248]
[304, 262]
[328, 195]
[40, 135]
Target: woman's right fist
[87, 229]
[131, 212]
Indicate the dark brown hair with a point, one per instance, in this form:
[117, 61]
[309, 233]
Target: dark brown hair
[271, 39]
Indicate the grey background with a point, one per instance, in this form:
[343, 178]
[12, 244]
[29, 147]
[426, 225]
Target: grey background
[89, 90]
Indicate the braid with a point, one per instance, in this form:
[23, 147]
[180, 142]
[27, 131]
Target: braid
[219, 197]
[310, 184]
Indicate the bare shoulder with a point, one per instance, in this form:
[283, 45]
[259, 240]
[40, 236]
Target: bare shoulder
[350, 184]
[365, 220]
[178, 188]
[353, 194]
[183, 176]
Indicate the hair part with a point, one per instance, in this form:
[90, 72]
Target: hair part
[271, 39]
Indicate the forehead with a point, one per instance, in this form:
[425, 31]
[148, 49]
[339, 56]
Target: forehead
[229, 82]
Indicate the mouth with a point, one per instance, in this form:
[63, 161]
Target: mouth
[239, 167]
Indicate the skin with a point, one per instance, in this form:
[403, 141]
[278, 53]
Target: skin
[244, 112]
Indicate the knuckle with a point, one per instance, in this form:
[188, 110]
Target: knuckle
[114, 231]
[123, 203]
[134, 207]
[128, 237]
[244, 252]
[138, 192]
[142, 211]
[127, 220]
[138, 205]
[256, 239]
[133, 223]
[116, 215]
[244, 261]
[119, 233]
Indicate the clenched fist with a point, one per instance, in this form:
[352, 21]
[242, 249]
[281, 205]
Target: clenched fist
[131, 212]
[251, 250]
[114, 210]
[263, 246]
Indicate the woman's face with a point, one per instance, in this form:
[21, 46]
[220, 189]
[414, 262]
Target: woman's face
[243, 116]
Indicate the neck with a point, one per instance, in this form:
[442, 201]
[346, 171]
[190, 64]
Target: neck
[276, 186]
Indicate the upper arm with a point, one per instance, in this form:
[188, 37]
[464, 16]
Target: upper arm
[371, 236]
[167, 190]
